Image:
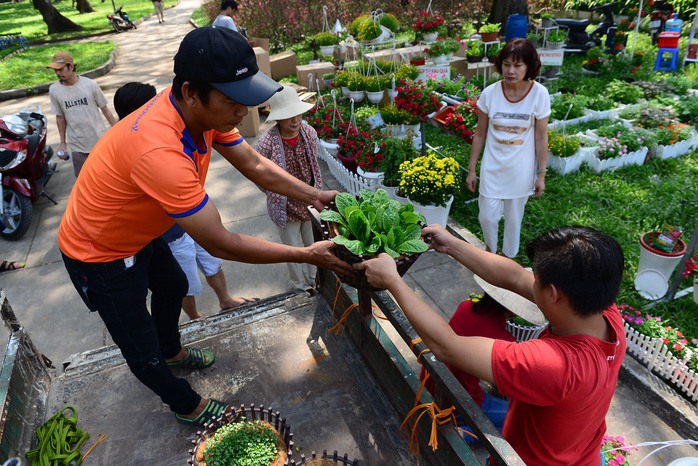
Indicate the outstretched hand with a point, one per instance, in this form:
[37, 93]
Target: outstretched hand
[322, 256]
[380, 272]
[323, 199]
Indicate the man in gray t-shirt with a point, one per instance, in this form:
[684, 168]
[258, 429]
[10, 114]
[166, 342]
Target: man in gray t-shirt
[75, 100]
[225, 18]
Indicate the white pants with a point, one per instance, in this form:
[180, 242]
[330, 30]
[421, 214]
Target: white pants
[299, 234]
[190, 255]
[491, 212]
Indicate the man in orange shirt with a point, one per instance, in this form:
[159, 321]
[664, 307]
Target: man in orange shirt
[147, 173]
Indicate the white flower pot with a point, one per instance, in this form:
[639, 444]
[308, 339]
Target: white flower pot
[392, 93]
[430, 36]
[571, 164]
[676, 150]
[434, 214]
[331, 147]
[524, 332]
[327, 50]
[375, 97]
[358, 96]
[372, 178]
[345, 92]
[439, 59]
[632, 158]
[388, 189]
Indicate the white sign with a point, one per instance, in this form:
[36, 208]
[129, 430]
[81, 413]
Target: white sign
[551, 57]
[439, 73]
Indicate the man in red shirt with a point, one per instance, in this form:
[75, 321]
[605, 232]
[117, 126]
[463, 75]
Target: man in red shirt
[561, 384]
[147, 173]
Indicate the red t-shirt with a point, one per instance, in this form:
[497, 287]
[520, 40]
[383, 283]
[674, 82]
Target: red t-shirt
[560, 389]
[143, 173]
[467, 323]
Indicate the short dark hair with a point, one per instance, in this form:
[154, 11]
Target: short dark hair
[520, 50]
[487, 305]
[132, 95]
[229, 3]
[201, 89]
[583, 263]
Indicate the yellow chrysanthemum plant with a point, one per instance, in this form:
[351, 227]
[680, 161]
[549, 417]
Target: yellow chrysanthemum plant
[430, 179]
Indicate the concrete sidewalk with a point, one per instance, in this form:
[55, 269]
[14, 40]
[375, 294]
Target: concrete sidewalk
[60, 325]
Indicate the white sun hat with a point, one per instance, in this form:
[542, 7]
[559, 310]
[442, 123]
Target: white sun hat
[517, 304]
[286, 104]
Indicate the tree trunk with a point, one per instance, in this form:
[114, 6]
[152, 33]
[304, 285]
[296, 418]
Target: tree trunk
[84, 6]
[55, 21]
[501, 9]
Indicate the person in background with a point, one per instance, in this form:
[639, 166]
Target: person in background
[512, 126]
[159, 10]
[128, 98]
[148, 172]
[76, 101]
[559, 385]
[292, 144]
[225, 17]
[486, 316]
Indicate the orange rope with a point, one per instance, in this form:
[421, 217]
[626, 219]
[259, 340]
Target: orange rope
[337, 327]
[101, 438]
[438, 417]
[463, 431]
[374, 310]
[414, 342]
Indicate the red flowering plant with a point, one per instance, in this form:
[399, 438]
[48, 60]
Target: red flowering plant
[326, 119]
[414, 97]
[357, 142]
[463, 119]
[691, 267]
[427, 22]
[654, 327]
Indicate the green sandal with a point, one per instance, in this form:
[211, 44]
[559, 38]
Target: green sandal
[196, 358]
[214, 409]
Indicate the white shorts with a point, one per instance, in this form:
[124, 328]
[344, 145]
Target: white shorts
[190, 256]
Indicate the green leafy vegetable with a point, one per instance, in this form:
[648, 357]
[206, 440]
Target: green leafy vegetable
[375, 223]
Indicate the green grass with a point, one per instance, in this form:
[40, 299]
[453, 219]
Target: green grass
[624, 204]
[28, 68]
[22, 17]
[199, 17]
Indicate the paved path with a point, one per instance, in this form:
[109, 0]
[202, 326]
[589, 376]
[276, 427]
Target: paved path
[60, 325]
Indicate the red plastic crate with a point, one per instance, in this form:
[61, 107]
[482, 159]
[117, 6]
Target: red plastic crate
[668, 40]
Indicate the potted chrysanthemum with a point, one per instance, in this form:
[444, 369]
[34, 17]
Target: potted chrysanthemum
[430, 182]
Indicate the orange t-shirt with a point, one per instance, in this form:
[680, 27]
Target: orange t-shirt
[142, 173]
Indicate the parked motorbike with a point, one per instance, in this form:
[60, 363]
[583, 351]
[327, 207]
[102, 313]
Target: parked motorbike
[577, 37]
[25, 168]
[658, 18]
[120, 21]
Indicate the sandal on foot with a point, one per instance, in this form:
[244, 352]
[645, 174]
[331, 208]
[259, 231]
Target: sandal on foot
[11, 265]
[196, 358]
[214, 409]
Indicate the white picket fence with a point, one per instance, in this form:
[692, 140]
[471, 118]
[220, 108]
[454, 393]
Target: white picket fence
[351, 182]
[655, 355]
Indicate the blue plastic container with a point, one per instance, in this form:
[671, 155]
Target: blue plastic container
[517, 27]
[674, 23]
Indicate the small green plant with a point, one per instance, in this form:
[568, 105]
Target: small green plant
[546, 15]
[375, 223]
[390, 21]
[249, 443]
[406, 71]
[623, 92]
[395, 151]
[353, 27]
[356, 81]
[654, 117]
[328, 76]
[534, 37]
[687, 110]
[490, 27]
[394, 116]
[601, 103]
[493, 50]
[342, 78]
[475, 49]
[568, 106]
[326, 38]
[557, 36]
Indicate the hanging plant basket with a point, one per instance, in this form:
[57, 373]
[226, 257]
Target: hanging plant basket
[268, 417]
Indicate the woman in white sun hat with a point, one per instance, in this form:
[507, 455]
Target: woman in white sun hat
[292, 144]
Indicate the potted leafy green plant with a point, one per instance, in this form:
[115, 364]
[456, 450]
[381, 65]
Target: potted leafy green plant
[556, 39]
[493, 50]
[475, 52]
[535, 38]
[489, 31]
[395, 151]
[370, 225]
[326, 40]
[374, 88]
[547, 19]
[356, 83]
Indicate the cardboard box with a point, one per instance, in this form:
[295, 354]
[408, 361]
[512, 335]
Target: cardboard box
[283, 64]
[250, 124]
[317, 70]
[259, 42]
[263, 60]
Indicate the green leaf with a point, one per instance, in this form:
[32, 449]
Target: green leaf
[375, 245]
[360, 226]
[409, 217]
[391, 252]
[412, 246]
[333, 216]
[412, 232]
[344, 200]
[353, 245]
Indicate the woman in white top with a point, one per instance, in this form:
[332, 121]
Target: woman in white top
[512, 126]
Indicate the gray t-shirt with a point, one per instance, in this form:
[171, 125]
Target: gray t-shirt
[79, 104]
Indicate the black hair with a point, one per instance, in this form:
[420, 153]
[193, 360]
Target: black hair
[132, 95]
[583, 263]
[229, 3]
[520, 50]
[488, 305]
[201, 89]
